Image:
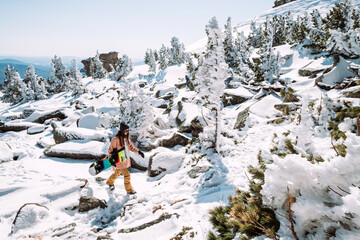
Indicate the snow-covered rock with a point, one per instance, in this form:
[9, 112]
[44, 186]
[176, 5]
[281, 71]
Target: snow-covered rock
[336, 74]
[64, 134]
[35, 130]
[29, 216]
[165, 161]
[18, 126]
[236, 96]
[6, 152]
[78, 149]
[176, 139]
[92, 121]
[39, 116]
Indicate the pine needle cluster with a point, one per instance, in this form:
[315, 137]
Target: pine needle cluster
[246, 213]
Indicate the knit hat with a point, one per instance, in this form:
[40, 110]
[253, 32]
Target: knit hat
[123, 126]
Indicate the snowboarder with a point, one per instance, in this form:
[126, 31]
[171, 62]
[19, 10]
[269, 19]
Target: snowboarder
[120, 144]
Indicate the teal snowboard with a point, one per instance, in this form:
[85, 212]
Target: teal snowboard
[105, 163]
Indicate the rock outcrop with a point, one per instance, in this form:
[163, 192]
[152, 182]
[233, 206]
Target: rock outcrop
[281, 2]
[108, 60]
[88, 203]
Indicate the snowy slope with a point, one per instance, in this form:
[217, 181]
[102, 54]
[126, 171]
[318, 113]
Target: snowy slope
[58, 183]
[298, 7]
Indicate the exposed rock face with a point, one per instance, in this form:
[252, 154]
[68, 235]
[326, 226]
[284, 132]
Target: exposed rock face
[88, 203]
[108, 60]
[353, 92]
[17, 126]
[232, 99]
[64, 134]
[154, 172]
[282, 2]
[39, 118]
[176, 139]
[241, 119]
[195, 127]
[197, 171]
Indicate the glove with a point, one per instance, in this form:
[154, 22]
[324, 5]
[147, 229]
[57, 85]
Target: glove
[141, 154]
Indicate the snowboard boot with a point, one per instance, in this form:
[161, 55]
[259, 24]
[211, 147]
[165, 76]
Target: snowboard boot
[112, 187]
[132, 192]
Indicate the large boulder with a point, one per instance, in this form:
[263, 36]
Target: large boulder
[42, 116]
[195, 128]
[88, 203]
[176, 139]
[108, 60]
[17, 126]
[336, 74]
[165, 161]
[235, 96]
[6, 152]
[311, 70]
[353, 92]
[241, 119]
[92, 121]
[64, 134]
[78, 149]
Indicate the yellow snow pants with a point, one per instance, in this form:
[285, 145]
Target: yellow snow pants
[126, 174]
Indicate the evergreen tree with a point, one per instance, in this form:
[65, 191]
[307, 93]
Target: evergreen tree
[254, 35]
[278, 25]
[339, 17]
[152, 62]
[317, 34]
[163, 58]
[269, 64]
[96, 67]
[75, 79]
[229, 48]
[190, 65]
[135, 110]
[35, 85]
[14, 89]
[58, 81]
[177, 52]
[355, 17]
[147, 56]
[156, 55]
[243, 53]
[123, 68]
[210, 78]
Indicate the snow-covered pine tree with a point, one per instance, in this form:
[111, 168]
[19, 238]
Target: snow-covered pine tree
[268, 67]
[58, 81]
[254, 35]
[152, 62]
[229, 48]
[123, 68]
[156, 55]
[210, 79]
[147, 56]
[355, 17]
[163, 57]
[75, 79]
[190, 65]
[243, 53]
[96, 67]
[317, 34]
[278, 24]
[135, 110]
[339, 16]
[177, 52]
[35, 85]
[14, 89]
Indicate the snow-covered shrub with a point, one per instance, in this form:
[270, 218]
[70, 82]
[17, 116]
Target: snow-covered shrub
[14, 88]
[123, 67]
[96, 67]
[35, 85]
[246, 214]
[58, 80]
[135, 111]
[28, 216]
[210, 80]
[75, 79]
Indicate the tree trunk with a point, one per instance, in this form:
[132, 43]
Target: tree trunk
[216, 129]
[358, 126]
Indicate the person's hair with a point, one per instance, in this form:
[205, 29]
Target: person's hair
[120, 134]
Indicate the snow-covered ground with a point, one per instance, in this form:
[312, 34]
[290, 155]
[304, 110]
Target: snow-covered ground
[56, 184]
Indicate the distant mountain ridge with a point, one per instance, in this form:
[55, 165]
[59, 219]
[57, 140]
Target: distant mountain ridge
[42, 71]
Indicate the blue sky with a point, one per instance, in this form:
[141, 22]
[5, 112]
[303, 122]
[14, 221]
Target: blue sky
[80, 27]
